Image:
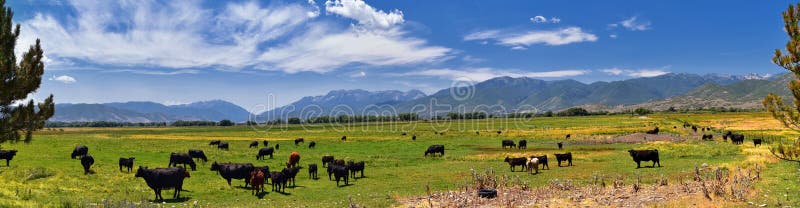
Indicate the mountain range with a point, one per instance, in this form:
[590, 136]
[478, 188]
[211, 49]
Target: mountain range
[502, 93]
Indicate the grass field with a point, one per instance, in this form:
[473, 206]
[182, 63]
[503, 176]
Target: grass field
[42, 174]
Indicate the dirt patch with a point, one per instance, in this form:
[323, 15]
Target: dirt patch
[633, 139]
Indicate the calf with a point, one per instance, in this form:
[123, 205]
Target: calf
[344, 138]
[257, 181]
[508, 143]
[645, 155]
[278, 181]
[80, 151]
[264, 169]
[7, 155]
[560, 145]
[414, 138]
[230, 171]
[514, 162]
[181, 158]
[533, 164]
[326, 159]
[355, 167]
[756, 142]
[214, 142]
[654, 131]
[312, 171]
[223, 146]
[126, 162]
[298, 141]
[163, 178]
[433, 149]
[523, 144]
[196, 153]
[294, 159]
[266, 144]
[87, 161]
[542, 161]
[264, 152]
[564, 157]
[312, 144]
[253, 144]
[708, 137]
[277, 146]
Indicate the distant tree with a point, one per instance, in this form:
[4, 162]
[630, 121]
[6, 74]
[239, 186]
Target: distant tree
[226, 122]
[293, 120]
[642, 111]
[788, 113]
[576, 111]
[17, 81]
[548, 114]
[672, 109]
[251, 123]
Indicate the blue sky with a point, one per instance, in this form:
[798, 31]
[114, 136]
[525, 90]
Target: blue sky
[243, 51]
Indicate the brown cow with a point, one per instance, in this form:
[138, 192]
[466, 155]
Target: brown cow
[294, 159]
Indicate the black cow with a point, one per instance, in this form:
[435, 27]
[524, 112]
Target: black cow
[326, 159]
[645, 155]
[402, 134]
[332, 165]
[7, 155]
[278, 181]
[344, 138]
[433, 149]
[230, 171]
[264, 152]
[735, 138]
[266, 144]
[564, 157]
[253, 144]
[508, 143]
[298, 141]
[196, 153]
[340, 172]
[87, 161]
[163, 178]
[514, 162]
[568, 136]
[355, 167]
[126, 162]
[756, 142]
[708, 137]
[277, 146]
[291, 174]
[654, 131]
[523, 144]
[214, 142]
[223, 146]
[694, 128]
[312, 144]
[312, 171]
[414, 137]
[181, 158]
[542, 161]
[80, 151]
[499, 132]
[560, 145]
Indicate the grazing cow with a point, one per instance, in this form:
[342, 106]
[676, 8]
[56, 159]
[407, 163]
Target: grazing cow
[499, 132]
[725, 137]
[326, 159]
[223, 146]
[735, 138]
[756, 142]
[196, 153]
[694, 128]
[645, 155]
[542, 161]
[403, 134]
[508, 143]
[654, 131]
[80, 151]
[181, 158]
[674, 127]
[298, 141]
[355, 167]
[312, 144]
[344, 138]
[294, 159]
[264, 152]
[332, 165]
[214, 142]
[708, 137]
[254, 144]
[560, 145]
[278, 181]
[257, 181]
[291, 174]
[230, 171]
[7, 155]
[564, 157]
[533, 164]
[433, 149]
[87, 162]
[312, 171]
[414, 137]
[163, 178]
[477, 133]
[126, 162]
[266, 144]
[514, 162]
[340, 172]
[277, 146]
[568, 136]
[523, 144]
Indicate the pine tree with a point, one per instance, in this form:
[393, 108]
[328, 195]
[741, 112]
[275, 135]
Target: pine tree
[17, 81]
[788, 113]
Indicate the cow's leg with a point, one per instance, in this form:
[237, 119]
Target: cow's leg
[570, 162]
[637, 164]
[229, 181]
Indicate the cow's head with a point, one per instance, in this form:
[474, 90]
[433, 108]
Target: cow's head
[632, 153]
[214, 166]
[141, 171]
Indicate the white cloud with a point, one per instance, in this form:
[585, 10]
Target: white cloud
[156, 72]
[633, 23]
[613, 36]
[358, 74]
[542, 19]
[365, 14]
[517, 41]
[63, 79]
[179, 35]
[482, 74]
[637, 72]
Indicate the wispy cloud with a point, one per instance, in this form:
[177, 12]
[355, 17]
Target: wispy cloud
[365, 14]
[157, 72]
[358, 74]
[63, 79]
[542, 19]
[633, 23]
[482, 74]
[521, 40]
[637, 72]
